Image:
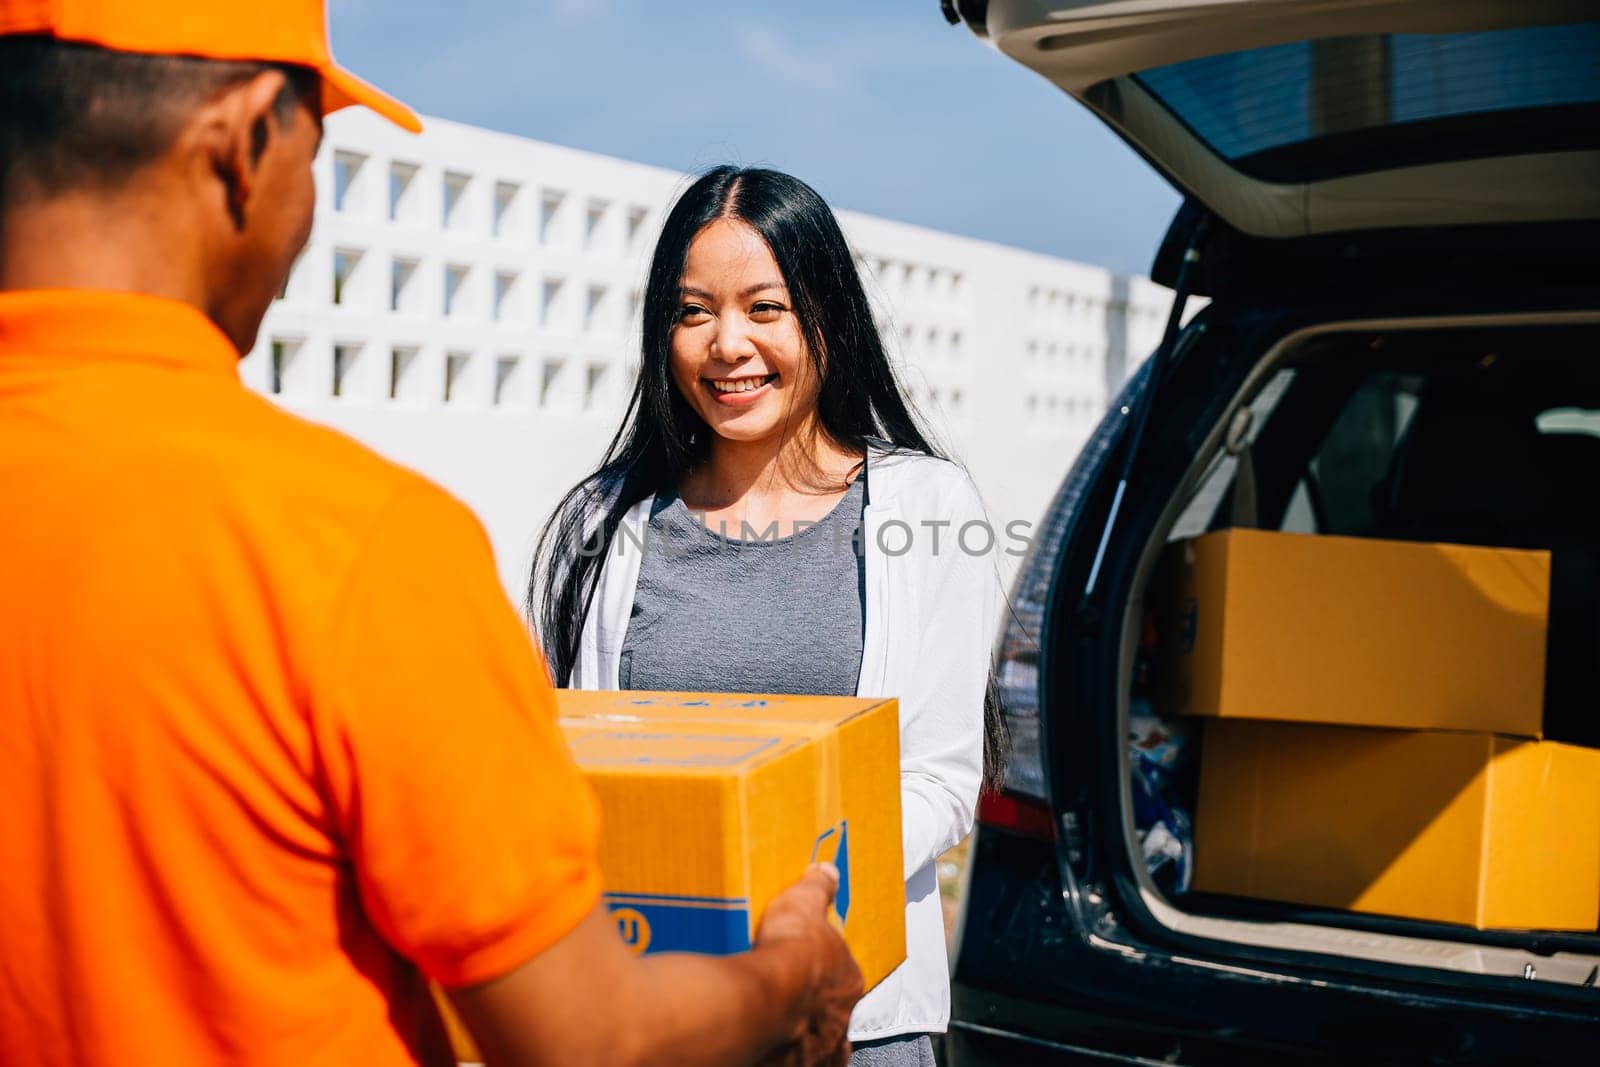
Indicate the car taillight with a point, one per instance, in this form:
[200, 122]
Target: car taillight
[1017, 683]
[1017, 658]
[1021, 815]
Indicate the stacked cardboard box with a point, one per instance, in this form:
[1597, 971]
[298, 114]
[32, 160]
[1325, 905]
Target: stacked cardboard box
[1376, 730]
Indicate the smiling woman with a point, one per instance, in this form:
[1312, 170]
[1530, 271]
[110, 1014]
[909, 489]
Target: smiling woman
[737, 343]
[765, 403]
[740, 358]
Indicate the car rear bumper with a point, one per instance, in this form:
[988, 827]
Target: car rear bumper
[972, 1044]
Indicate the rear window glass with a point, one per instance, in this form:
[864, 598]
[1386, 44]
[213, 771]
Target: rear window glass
[1408, 442]
[1455, 95]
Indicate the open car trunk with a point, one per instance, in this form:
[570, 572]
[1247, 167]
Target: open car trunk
[1331, 139]
[1393, 210]
[1479, 433]
[1391, 206]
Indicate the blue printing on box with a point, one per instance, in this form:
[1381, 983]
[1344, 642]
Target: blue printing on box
[717, 926]
[654, 923]
[840, 858]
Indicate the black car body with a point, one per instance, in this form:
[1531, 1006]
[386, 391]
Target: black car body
[1379, 274]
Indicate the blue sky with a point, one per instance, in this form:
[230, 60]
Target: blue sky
[878, 103]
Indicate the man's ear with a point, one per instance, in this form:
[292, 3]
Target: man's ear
[234, 131]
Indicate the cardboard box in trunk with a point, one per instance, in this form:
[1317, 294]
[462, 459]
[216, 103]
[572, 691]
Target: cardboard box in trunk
[1485, 831]
[1355, 631]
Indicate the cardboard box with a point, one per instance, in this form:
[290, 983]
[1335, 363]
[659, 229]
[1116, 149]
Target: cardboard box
[1356, 631]
[712, 803]
[1486, 831]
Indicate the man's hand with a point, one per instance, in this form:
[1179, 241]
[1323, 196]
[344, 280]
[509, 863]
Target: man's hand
[587, 999]
[799, 917]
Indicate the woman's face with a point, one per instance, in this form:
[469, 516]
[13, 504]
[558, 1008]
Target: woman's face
[738, 356]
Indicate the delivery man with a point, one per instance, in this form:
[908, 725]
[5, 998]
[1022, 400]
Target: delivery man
[274, 748]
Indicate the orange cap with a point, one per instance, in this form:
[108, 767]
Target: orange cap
[275, 31]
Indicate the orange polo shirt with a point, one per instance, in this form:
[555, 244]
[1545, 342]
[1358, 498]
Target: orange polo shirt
[273, 743]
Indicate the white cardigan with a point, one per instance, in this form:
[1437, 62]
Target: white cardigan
[931, 611]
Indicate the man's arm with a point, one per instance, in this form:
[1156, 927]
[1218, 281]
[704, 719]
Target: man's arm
[474, 839]
[588, 1000]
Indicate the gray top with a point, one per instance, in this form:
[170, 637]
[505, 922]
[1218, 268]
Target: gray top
[737, 611]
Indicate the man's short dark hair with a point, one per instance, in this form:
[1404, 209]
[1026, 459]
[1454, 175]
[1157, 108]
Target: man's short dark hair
[75, 116]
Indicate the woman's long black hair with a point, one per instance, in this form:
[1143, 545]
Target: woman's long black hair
[662, 438]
